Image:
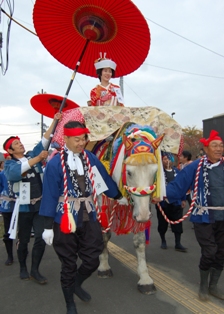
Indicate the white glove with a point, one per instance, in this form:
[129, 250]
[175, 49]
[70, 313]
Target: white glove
[48, 236]
[123, 201]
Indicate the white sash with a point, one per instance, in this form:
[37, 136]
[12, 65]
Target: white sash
[14, 220]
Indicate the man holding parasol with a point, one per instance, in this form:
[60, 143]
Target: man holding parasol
[23, 171]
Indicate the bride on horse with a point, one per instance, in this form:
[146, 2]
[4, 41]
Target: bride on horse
[105, 93]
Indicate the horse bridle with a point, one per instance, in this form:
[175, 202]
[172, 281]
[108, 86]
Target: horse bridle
[137, 191]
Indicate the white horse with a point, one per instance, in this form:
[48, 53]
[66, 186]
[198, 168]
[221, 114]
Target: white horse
[136, 167]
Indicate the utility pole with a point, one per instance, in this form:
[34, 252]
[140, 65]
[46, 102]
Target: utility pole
[41, 117]
[121, 83]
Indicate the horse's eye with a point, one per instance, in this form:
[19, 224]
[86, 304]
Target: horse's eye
[129, 173]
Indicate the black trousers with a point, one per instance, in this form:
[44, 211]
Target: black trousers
[173, 213]
[26, 222]
[86, 243]
[188, 199]
[211, 240]
[6, 219]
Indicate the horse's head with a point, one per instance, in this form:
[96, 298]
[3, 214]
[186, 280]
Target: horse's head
[139, 169]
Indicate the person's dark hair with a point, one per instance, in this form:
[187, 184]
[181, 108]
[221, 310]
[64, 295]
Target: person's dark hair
[9, 138]
[56, 103]
[99, 73]
[187, 154]
[74, 125]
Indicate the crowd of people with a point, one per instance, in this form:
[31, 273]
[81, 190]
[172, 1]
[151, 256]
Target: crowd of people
[59, 203]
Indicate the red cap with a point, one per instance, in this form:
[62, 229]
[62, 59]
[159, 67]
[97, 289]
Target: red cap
[214, 136]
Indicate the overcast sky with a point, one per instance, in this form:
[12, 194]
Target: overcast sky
[177, 75]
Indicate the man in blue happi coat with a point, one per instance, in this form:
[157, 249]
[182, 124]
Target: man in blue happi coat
[6, 208]
[26, 169]
[70, 214]
[206, 177]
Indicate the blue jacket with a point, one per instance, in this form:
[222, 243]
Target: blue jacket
[53, 188]
[12, 169]
[6, 206]
[177, 202]
[182, 183]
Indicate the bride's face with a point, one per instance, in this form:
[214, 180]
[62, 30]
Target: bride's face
[106, 75]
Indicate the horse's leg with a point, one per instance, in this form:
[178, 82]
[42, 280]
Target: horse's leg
[145, 284]
[104, 270]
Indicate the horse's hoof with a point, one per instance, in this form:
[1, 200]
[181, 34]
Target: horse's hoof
[147, 289]
[105, 274]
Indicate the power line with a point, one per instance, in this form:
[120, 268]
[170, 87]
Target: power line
[155, 66]
[136, 93]
[81, 88]
[185, 72]
[167, 29]
[28, 133]
[20, 124]
[185, 38]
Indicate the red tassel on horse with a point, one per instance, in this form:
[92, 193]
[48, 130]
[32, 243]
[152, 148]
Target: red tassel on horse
[103, 216]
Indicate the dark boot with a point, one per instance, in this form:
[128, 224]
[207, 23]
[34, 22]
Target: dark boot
[214, 278]
[34, 273]
[203, 289]
[22, 254]
[70, 304]
[24, 275]
[9, 246]
[178, 246]
[81, 293]
[163, 244]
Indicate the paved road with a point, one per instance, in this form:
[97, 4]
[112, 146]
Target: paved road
[175, 275]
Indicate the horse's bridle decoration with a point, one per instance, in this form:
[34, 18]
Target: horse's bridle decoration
[138, 146]
[139, 191]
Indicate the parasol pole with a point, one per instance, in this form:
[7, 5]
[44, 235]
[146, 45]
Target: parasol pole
[67, 91]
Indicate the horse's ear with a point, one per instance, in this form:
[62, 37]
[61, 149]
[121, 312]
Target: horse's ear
[157, 141]
[127, 142]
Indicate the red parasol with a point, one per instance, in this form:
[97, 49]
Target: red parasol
[115, 27]
[48, 104]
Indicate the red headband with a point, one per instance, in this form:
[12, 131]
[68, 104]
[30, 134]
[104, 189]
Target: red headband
[75, 131]
[9, 142]
[212, 137]
[6, 155]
